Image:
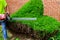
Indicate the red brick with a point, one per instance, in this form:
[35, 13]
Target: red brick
[52, 8]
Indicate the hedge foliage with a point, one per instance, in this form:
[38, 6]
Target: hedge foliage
[34, 8]
[44, 23]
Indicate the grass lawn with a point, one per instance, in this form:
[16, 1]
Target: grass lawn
[1, 35]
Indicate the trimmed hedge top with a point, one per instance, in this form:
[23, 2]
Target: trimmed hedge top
[33, 8]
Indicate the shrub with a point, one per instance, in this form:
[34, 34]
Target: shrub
[44, 23]
[33, 8]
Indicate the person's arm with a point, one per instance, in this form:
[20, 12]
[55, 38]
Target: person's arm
[7, 10]
[7, 13]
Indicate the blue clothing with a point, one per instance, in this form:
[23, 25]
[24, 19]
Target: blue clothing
[3, 23]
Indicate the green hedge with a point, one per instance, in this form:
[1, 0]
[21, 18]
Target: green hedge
[33, 8]
[44, 23]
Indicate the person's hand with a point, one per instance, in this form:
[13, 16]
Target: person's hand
[2, 16]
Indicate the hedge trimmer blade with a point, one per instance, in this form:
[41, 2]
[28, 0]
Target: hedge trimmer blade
[24, 19]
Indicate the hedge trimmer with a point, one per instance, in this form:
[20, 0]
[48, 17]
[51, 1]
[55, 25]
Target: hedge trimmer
[6, 18]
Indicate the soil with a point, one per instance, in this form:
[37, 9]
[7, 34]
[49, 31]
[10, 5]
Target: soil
[24, 32]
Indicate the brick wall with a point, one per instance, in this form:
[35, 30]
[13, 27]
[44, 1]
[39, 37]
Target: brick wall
[14, 5]
[51, 7]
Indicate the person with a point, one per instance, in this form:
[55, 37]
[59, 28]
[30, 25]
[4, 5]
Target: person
[3, 11]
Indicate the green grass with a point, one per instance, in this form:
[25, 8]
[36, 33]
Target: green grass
[1, 35]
